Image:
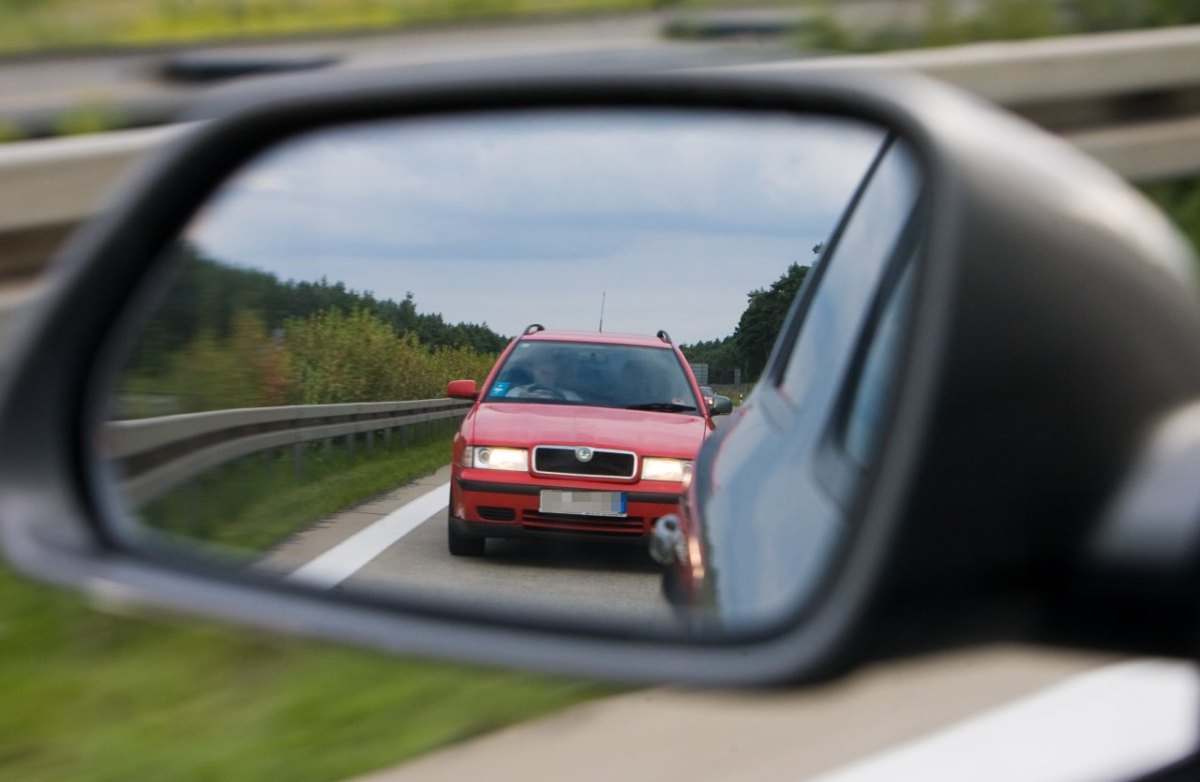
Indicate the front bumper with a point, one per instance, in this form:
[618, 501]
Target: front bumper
[510, 509]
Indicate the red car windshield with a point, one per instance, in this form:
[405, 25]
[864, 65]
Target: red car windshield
[597, 375]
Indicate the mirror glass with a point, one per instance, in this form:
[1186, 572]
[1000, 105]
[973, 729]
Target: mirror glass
[282, 404]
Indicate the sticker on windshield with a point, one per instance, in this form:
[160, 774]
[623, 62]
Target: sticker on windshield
[500, 388]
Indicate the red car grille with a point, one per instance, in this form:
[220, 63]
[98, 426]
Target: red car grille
[602, 464]
[623, 525]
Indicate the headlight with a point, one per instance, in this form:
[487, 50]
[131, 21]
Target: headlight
[655, 469]
[486, 457]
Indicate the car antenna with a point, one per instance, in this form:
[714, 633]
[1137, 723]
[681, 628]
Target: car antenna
[532, 328]
[603, 296]
[664, 336]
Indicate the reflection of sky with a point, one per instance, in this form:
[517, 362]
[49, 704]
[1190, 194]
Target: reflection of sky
[513, 218]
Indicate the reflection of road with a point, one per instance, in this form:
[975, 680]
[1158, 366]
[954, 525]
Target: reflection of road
[382, 546]
[987, 714]
[574, 578]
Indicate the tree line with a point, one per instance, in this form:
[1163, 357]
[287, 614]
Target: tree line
[206, 294]
[750, 344]
[226, 337]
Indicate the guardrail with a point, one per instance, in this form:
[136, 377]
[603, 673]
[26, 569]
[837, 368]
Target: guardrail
[49, 186]
[1131, 99]
[155, 455]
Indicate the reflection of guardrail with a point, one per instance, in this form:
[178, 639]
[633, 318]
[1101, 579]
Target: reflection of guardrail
[47, 187]
[158, 454]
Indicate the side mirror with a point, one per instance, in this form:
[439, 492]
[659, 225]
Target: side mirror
[943, 407]
[722, 405]
[462, 389]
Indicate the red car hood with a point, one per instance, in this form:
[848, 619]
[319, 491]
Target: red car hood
[529, 424]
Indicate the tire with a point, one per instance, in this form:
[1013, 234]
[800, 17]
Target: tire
[463, 545]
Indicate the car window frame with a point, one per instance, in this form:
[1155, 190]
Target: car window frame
[835, 470]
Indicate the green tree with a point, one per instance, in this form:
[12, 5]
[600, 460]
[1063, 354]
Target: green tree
[721, 355]
[246, 368]
[355, 356]
[342, 357]
[206, 293]
[762, 320]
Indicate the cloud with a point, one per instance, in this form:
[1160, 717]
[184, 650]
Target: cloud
[508, 218]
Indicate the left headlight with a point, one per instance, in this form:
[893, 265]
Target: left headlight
[657, 469]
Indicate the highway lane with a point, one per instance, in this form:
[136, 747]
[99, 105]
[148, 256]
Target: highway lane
[987, 714]
[572, 578]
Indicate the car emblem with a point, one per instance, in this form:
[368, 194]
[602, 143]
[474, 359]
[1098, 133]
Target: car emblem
[583, 453]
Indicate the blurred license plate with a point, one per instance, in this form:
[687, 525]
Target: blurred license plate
[583, 503]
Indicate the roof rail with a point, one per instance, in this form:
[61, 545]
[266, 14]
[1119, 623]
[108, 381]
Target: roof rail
[532, 328]
[664, 336]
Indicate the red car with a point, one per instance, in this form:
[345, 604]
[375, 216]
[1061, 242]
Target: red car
[575, 433]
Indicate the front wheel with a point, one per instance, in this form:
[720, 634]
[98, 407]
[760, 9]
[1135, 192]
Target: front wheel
[461, 545]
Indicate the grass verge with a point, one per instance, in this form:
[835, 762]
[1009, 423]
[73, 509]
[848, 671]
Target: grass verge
[41, 25]
[948, 23]
[253, 503]
[94, 697]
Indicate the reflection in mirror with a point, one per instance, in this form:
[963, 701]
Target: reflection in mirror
[284, 406]
[833, 379]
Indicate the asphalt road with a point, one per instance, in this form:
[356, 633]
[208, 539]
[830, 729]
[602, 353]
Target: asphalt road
[993, 714]
[588, 578]
[354, 550]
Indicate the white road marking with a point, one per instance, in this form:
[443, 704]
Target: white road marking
[1115, 723]
[346, 558]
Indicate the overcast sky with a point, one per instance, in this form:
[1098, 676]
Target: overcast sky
[508, 219]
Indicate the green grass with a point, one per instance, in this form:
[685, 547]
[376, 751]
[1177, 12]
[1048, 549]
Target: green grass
[11, 131]
[946, 22]
[39, 25]
[90, 118]
[90, 696]
[250, 504]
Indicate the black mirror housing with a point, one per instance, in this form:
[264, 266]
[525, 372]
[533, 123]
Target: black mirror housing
[1055, 329]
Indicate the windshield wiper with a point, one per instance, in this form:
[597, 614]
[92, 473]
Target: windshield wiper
[662, 407]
